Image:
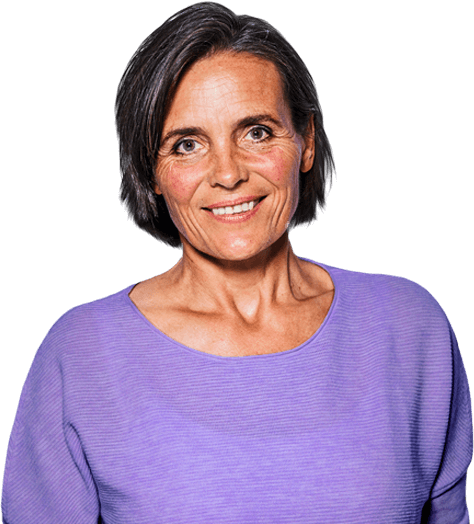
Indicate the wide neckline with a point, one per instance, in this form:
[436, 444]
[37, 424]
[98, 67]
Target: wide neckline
[279, 354]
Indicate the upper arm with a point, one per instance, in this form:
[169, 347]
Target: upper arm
[449, 507]
[46, 475]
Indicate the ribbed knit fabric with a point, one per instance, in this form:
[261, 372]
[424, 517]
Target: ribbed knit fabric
[369, 421]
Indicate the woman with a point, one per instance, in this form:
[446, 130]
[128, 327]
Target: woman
[245, 384]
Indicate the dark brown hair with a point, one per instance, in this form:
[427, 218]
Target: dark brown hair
[150, 81]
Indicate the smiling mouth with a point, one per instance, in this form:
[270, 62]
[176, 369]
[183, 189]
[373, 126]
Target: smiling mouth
[237, 209]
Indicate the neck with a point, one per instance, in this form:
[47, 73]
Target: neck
[246, 286]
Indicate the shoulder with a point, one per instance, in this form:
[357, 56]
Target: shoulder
[391, 312]
[83, 326]
[101, 312]
[378, 286]
[387, 295]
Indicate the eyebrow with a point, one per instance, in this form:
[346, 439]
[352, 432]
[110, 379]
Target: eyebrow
[244, 122]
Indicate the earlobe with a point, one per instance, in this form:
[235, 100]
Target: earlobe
[156, 188]
[307, 160]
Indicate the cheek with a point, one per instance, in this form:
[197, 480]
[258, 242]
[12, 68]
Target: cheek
[180, 183]
[279, 166]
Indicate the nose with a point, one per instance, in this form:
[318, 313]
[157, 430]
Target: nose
[228, 168]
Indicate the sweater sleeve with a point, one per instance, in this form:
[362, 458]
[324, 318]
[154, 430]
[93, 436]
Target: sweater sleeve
[447, 503]
[46, 474]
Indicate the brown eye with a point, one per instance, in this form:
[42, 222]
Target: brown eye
[258, 133]
[187, 146]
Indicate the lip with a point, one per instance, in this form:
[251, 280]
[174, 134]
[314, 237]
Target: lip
[232, 203]
[239, 217]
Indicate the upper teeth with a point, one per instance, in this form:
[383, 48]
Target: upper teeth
[229, 210]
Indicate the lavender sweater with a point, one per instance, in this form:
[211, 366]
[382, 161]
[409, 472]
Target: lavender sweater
[369, 421]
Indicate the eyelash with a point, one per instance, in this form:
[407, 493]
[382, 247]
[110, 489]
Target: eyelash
[265, 129]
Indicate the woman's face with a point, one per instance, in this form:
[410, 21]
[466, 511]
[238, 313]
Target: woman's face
[229, 159]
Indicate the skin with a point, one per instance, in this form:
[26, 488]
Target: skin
[238, 289]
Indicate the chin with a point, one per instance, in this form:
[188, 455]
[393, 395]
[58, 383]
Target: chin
[236, 257]
[237, 249]
[227, 253]
[241, 251]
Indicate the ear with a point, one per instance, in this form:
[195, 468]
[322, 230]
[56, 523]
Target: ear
[156, 189]
[156, 186]
[307, 157]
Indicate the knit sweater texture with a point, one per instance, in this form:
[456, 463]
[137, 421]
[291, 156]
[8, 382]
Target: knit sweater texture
[368, 421]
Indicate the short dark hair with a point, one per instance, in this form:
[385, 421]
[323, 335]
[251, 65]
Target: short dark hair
[150, 80]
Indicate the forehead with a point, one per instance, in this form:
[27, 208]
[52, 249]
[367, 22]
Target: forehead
[227, 85]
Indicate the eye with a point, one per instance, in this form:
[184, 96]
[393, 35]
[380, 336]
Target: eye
[186, 146]
[259, 133]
